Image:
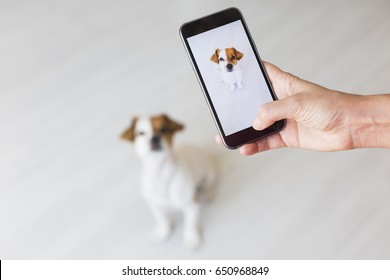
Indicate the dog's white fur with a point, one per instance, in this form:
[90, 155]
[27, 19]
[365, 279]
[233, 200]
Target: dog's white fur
[230, 70]
[172, 180]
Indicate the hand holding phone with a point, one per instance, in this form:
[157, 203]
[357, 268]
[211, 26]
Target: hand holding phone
[231, 74]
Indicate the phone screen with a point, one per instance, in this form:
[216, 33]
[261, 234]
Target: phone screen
[231, 74]
[237, 97]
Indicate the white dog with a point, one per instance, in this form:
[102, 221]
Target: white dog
[171, 180]
[227, 59]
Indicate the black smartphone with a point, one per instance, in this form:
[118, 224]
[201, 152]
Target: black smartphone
[231, 74]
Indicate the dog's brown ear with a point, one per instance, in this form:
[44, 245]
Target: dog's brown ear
[171, 125]
[129, 134]
[238, 54]
[214, 57]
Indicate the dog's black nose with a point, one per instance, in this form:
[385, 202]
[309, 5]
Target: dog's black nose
[229, 66]
[155, 143]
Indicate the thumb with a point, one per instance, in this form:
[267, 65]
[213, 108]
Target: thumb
[276, 111]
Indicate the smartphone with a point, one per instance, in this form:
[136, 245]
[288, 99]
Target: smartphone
[231, 74]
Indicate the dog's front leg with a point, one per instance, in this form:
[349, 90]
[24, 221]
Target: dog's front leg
[192, 237]
[163, 223]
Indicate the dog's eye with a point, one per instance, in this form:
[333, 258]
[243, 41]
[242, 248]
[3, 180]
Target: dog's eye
[163, 130]
[233, 57]
[221, 59]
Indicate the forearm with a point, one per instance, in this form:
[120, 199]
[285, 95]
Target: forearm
[370, 121]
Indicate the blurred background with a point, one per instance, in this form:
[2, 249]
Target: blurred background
[73, 73]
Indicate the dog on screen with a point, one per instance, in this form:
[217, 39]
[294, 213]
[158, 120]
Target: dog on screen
[173, 180]
[227, 60]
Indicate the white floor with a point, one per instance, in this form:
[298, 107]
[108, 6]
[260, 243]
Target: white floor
[73, 73]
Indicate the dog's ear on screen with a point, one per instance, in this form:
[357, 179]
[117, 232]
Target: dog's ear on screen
[215, 56]
[171, 125]
[238, 54]
[129, 134]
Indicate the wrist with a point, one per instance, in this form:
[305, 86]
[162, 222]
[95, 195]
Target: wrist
[370, 121]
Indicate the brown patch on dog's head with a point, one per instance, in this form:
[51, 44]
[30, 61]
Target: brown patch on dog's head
[165, 127]
[129, 133]
[215, 56]
[233, 55]
[162, 126]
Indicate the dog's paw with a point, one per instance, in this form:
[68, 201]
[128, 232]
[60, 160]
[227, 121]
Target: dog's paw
[192, 240]
[161, 234]
[240, 86]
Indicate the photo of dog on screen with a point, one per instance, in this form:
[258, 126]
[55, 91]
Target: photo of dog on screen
[228, 62]
[231, 75]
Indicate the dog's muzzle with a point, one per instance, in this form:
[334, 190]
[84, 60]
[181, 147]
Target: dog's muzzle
[155, 143]
[229, 67]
